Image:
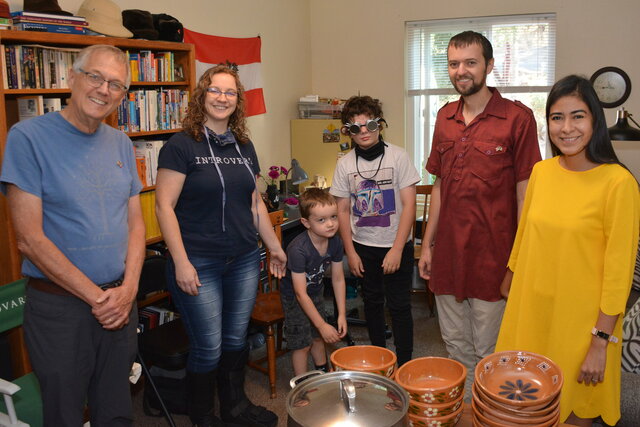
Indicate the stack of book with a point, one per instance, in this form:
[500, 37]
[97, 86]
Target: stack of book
[35, 21]
[5, 23]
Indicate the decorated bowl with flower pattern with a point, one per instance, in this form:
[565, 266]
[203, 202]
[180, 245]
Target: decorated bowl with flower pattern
[365, 358]
[519, 378]
[521, 418]
[526, 411]
[431, 410]
[443, 421]
[432, 379]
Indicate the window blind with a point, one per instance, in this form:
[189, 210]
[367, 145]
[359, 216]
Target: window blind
[523, 50]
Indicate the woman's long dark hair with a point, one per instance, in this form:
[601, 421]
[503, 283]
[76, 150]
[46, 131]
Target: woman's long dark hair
[599, 149]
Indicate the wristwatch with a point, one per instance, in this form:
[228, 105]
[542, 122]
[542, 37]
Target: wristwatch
[605, 336]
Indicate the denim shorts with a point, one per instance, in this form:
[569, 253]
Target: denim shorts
[298, 329]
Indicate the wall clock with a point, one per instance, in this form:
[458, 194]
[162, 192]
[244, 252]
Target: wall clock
[612, 85]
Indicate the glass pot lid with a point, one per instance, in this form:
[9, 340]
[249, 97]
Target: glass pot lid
[347, 398]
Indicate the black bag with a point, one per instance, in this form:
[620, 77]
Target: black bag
[172, 386]
[168, 27]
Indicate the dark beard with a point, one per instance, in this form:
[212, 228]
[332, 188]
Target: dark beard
[473, 89]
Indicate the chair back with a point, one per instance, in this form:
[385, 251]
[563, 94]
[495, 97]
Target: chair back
[22, 400]
[12, 300]
[423, 193]
[277, 219]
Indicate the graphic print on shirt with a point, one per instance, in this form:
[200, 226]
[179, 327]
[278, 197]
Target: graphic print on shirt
[314, 278]
[374, 197]
[208, 160]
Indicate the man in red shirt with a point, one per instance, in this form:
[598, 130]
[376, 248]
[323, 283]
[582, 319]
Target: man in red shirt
[484, 147]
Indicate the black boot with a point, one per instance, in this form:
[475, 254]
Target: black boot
[200, 396]
[235, 407]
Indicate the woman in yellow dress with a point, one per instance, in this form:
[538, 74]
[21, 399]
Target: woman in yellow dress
[573, 257]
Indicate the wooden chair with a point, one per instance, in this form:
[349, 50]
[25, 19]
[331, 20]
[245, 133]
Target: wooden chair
[423, 193]
[268, 313]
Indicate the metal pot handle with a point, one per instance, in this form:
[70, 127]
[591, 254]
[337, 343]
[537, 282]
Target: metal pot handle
[295, 380]
[348, 394]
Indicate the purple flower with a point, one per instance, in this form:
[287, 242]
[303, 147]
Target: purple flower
[291, 201]
[284, 170]
[274, 174]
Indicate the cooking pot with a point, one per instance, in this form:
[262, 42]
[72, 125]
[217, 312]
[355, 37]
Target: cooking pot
[346, 398]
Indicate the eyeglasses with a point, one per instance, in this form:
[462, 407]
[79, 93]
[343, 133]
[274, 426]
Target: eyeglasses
[96, 80]
[217, 92]
[355, 128]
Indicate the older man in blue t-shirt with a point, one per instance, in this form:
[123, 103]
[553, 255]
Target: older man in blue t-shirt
[73, 193]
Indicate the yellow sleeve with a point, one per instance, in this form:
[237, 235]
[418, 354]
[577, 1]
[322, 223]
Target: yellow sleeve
[621, 220]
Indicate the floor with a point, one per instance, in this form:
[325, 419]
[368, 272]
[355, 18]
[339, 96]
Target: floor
[427, 342]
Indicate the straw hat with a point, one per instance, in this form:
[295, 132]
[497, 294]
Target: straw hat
[104, 17]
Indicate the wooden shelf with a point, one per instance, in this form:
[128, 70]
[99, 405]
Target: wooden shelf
[178, 83]
[153, 298]
[20, 92]
[80, 41]
[152, 133]
[153, 240]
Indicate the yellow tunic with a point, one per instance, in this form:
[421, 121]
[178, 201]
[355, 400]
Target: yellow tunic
[573, 255]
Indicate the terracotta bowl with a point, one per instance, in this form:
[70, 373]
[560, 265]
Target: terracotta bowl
[475, 421]
[492, 422]
[434, 409]
[529, 411]
[519, 378]
[365, 358]
[445, 421]
[432, 379]
[502, 417]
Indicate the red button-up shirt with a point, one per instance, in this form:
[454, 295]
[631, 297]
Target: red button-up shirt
[479, 166]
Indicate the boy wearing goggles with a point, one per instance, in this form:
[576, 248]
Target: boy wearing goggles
[375, 188]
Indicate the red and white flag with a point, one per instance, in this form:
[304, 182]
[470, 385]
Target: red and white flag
[243, 53]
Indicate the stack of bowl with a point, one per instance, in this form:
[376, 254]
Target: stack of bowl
[516, 388]
[436, 388]
[365, 358]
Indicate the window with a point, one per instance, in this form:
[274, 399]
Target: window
[524, 64]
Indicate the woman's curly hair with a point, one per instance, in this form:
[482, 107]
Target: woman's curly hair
[196, 113]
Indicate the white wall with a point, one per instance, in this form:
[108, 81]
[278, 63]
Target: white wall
[286, 59]
[358, 45]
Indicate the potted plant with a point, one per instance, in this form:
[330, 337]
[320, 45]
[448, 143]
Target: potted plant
[272, 178]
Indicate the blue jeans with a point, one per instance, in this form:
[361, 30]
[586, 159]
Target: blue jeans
[217, 319]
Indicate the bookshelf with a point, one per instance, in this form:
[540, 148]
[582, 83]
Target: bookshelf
[183, 56]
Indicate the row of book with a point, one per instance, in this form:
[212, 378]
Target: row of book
[148, 66]
[148, 203]
[153, 316]
[152, 109]
[35, 66]
[147, 153]
[44, 67]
